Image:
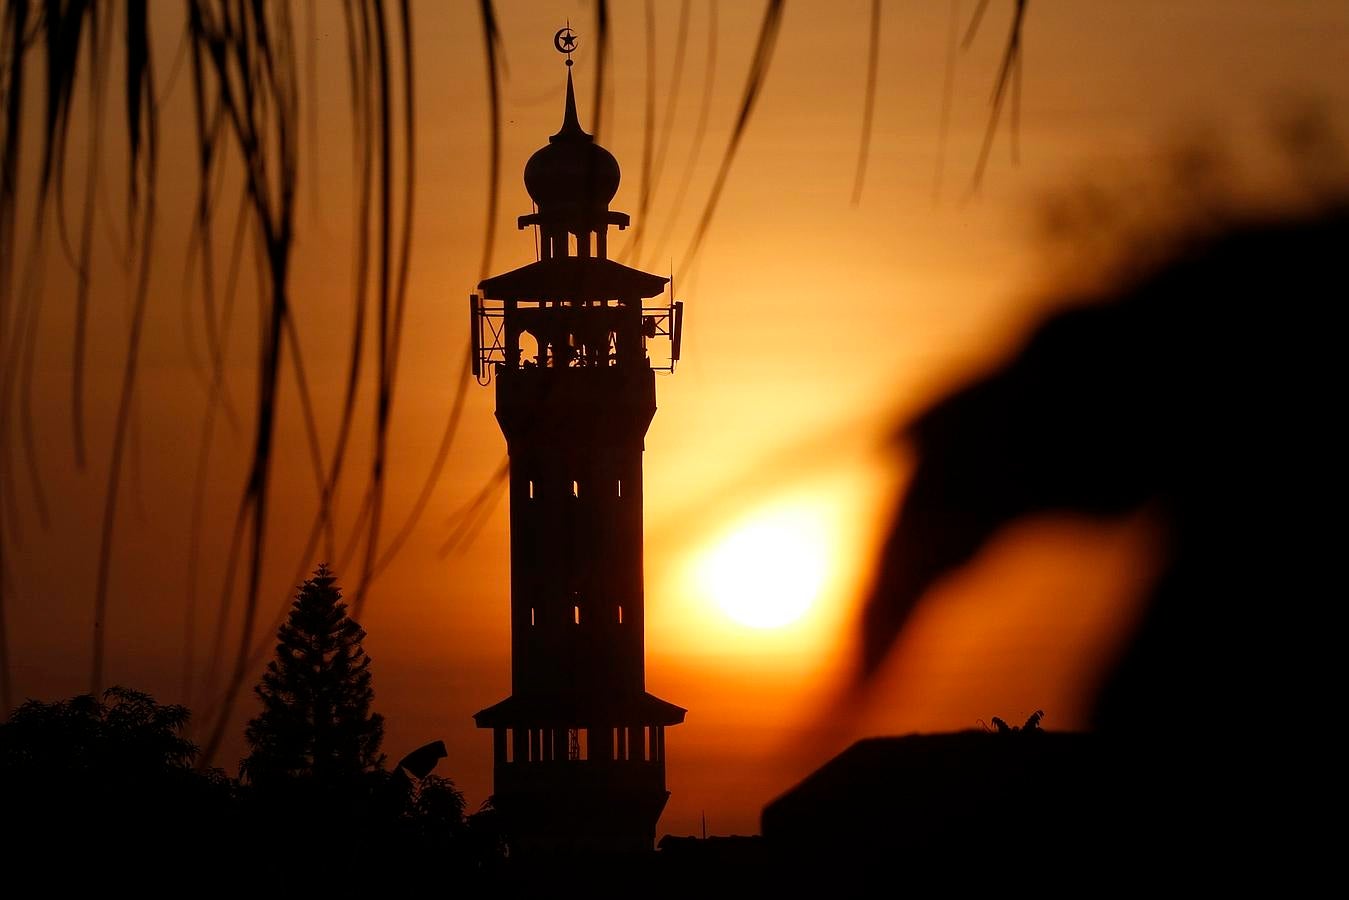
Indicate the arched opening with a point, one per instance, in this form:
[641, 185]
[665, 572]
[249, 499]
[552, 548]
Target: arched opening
[529, 349]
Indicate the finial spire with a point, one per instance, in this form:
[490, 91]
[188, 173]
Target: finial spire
[564, 41]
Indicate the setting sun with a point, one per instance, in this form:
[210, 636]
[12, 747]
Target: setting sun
[767, 571]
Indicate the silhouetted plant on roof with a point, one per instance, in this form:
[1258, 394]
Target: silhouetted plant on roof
[1032, 724]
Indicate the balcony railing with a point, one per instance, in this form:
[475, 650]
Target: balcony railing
[488, 331]
[581, 774]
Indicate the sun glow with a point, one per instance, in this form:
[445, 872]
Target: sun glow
[767, 571]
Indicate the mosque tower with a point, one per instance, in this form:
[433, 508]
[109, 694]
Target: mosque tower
[579, 745]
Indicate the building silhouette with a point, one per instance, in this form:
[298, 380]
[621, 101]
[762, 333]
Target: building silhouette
[579, 746]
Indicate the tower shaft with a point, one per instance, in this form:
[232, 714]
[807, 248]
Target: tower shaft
[579, 746]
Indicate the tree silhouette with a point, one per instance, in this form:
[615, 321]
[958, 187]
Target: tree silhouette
[106, 777]
[126, 735]
[316, 720]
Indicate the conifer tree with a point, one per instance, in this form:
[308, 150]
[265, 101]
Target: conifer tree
[316, 720]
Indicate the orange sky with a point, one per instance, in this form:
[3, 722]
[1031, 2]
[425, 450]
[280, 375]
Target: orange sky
[813, 327]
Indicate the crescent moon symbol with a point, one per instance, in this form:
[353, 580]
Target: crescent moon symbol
[564, 40]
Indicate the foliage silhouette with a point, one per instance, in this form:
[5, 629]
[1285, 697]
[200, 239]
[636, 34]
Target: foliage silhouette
[316, 694]
[108, 780]
[1198, 390]
[435, 810]
[1032, 724]
[421, 761]
[126, 732]
[106, 776]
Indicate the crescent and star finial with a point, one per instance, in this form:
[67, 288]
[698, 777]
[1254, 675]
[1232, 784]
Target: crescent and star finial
[564, 41]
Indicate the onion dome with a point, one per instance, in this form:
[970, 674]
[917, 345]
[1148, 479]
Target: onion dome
[573, 176]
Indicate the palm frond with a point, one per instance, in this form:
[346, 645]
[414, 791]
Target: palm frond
[869, 99]
[1008, 75]
[699, 131]
[666, 130]
[758, 75]
[601, 62]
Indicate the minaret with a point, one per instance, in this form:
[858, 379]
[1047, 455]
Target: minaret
[579, 746]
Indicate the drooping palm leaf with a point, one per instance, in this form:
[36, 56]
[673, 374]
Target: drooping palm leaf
[654, 177]
[1009, 75]
[869, 99]
[758, 74]
[699, 131]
